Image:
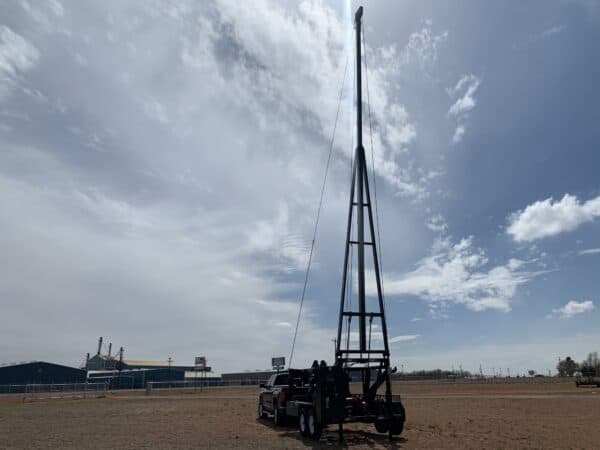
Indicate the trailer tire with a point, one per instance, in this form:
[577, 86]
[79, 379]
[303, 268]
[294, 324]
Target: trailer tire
[382, 425]
[278, 416]
[397, 425]
[315, 429]
[303, 422]
[261, 410]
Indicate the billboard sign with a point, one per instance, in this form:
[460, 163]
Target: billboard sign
[278, 362]
[200, 362]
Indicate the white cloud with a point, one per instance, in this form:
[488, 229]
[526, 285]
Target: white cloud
[573, 308]
[437, 224]
[468, 84]
[464, 93]
[416, 319]
[590, 251]
[404, 338]
[423, 48]
[459, 132]
[457, 273]
[552, 31]
[275, 239]
[17, 55]
[394, 129]
[548, 218]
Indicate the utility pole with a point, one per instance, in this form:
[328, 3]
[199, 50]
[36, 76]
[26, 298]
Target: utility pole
[120, 364]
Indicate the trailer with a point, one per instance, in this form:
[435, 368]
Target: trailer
[321, 396]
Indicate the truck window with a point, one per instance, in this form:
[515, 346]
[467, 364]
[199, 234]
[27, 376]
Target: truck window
[281, 380]
[271, 381]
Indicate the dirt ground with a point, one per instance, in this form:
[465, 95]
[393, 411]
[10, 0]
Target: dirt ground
[449, 416]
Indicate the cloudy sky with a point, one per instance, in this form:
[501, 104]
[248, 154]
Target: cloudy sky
[161, 165]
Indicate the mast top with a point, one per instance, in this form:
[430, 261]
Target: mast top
[358, 15]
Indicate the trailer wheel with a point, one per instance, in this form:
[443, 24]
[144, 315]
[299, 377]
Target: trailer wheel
[315, 429]
[278, 416]
[397, 425]
[261, 410]
[303, 422]
[382, 425]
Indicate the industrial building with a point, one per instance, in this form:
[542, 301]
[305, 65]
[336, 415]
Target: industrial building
[121, 373]
[110, 362]
[40, 372]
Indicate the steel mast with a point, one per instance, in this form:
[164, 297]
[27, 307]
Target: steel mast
[364, 356]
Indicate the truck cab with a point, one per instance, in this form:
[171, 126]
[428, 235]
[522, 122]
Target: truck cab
[272, 397]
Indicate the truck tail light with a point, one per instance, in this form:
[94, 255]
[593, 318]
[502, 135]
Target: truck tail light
[281, 397]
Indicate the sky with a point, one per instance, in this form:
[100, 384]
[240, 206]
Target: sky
[161, 164]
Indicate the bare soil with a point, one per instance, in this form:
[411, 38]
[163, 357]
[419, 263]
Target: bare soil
[440, 415]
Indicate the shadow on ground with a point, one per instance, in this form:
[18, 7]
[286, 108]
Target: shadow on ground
[330, 437]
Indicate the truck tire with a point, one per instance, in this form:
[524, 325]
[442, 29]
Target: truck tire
[278, 416]
[262, 414]
[315, 429]
[303, 422]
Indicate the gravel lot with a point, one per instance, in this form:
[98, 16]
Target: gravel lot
[454, 416]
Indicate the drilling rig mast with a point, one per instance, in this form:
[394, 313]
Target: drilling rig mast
[363, 357]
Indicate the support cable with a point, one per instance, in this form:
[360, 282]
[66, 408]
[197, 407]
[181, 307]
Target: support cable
[373, 166]
[312, 245]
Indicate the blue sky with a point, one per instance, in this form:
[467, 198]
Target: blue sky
[160, 169]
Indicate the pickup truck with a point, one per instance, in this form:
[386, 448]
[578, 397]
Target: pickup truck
[272, 397]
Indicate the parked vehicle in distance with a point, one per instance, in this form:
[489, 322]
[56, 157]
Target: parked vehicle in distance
[588, 377]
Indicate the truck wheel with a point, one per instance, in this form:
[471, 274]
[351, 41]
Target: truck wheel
[303, 422]
[314, 428]
[278, 416]
[261, 410]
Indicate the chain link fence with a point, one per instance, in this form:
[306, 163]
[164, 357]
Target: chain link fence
[64, 390]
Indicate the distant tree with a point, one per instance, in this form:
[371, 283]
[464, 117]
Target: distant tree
[531, 372]
[567, 367]
[591, 366]
[560, 368]
[593, 360]
[570, 366]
